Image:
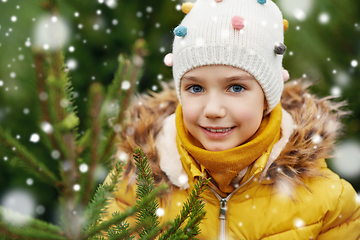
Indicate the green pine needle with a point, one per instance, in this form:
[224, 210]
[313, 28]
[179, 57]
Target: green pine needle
[192, 208]
[145, 185]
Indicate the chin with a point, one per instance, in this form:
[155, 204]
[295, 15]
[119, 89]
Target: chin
[216, 148]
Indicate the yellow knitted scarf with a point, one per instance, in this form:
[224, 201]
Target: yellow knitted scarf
[223, 166]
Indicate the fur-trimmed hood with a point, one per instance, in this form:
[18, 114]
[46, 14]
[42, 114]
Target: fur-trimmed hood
[309, 129]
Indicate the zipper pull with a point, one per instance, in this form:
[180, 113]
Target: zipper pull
[223, 208]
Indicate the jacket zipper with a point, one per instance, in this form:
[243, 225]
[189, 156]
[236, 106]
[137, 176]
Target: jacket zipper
[223, 208]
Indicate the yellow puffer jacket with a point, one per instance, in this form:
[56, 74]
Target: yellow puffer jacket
[288, 193]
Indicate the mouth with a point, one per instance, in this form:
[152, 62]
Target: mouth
[218, 130]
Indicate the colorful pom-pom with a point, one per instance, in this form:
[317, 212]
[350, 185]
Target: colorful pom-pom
[168, 59]
[286, 75]
[186, 7]
[237, 22]
[180, 31]
[280, 49]
[261, 1]
[286, 24]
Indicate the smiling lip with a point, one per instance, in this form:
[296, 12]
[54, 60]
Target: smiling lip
[217, 132]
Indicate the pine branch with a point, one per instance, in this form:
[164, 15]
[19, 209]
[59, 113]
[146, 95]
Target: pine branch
[192, 207]
[114, 89]
[97, 206]
[28, 159]
[128, 212]
[122, 231]
[96, 97]
[132, 72]
[50, 139]
[145, 185]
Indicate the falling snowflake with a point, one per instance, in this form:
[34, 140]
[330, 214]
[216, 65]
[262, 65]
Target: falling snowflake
[125, 85]
[71, 64]
[324, 18]
[83, 168]
[149, 9]
[51, 32]
[55, 154]
[22, 203]
[354, 63]
[43, 96]
[111, 3]
[298, 222]
[160, 212]
[64, 103]
[12, 75]
[40, 210]
[96, 27]
[317, 139]
[336, 91]
[76, 187]
[46, 127]
[117, 128]
[29, 181]
[183, 178]
[123, 156]
[347, 159]
[296, 9]
[34, 138]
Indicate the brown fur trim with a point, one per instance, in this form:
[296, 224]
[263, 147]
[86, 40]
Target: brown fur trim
[318, 123]
[144, 121]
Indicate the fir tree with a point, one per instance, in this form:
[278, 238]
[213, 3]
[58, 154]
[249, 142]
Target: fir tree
[81, 207]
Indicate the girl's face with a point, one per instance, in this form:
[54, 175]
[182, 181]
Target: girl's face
[222, 106]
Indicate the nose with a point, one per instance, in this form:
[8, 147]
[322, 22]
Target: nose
[214, 108]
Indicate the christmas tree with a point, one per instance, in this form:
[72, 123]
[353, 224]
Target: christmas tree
[81, 153]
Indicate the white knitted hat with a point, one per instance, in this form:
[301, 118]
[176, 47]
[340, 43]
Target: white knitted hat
[247, 34]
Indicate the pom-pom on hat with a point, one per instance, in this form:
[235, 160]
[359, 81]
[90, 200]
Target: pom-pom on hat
[247, 34]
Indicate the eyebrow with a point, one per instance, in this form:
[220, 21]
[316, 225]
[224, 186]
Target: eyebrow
[227, 79]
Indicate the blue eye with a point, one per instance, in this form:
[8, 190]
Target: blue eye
[195, 89]
[236, 88]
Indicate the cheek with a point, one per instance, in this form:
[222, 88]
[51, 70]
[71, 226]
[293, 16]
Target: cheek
[189, 113]
[250, 115]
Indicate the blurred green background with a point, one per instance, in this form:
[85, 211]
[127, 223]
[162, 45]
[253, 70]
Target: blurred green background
[323, 43]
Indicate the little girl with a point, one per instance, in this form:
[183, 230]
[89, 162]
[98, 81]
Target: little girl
[232, 119]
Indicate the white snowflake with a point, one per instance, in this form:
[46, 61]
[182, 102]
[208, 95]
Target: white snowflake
[83, 168]
[34, 138]
[160, 212]
[298, 222]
